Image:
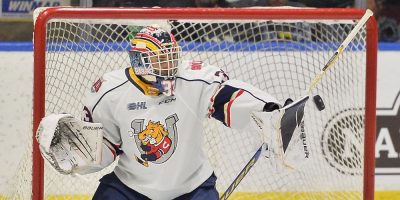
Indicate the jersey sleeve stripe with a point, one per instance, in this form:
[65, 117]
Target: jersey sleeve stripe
[229, 105]
[221, 100]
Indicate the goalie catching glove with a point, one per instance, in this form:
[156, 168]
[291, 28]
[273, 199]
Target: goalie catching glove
[71, 145]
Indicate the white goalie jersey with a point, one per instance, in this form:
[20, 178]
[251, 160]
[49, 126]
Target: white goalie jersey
[160, 137]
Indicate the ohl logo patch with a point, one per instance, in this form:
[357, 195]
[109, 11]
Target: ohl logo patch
[156, 142]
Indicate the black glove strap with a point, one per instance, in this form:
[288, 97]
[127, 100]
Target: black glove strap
[269, 107]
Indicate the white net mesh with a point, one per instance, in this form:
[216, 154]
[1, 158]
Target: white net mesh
[277, 56]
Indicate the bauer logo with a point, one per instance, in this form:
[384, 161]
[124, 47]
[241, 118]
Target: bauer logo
[341, 141]
[387, 146]
[303, 137]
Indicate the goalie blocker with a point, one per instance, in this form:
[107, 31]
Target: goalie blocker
[284, 139]
[283, 131]
[72, 146]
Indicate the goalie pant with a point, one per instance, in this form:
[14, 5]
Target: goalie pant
[134, 116]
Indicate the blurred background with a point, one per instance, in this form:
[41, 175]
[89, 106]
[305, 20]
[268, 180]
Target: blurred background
[16, 15]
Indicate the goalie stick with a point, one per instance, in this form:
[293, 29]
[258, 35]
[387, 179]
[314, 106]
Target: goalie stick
[312, 86]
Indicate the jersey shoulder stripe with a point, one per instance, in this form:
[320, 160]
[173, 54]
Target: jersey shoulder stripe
[199, 80]
[110, 82]
[206, 73]
[95, 105]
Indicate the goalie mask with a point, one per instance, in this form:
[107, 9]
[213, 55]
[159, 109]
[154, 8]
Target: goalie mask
[154, 56]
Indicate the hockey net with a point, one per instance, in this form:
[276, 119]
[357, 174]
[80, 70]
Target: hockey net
[277, 50]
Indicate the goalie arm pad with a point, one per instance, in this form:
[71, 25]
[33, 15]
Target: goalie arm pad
[73, 146]
[234, 101]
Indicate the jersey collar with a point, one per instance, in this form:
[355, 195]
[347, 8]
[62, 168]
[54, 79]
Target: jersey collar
[146, 88]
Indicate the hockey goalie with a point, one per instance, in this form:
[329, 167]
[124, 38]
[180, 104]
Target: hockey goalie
[150, 115]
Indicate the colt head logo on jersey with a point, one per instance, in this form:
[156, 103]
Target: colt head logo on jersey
[156, 142]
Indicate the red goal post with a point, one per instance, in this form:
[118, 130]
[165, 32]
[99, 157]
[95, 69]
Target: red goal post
[40, 32]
